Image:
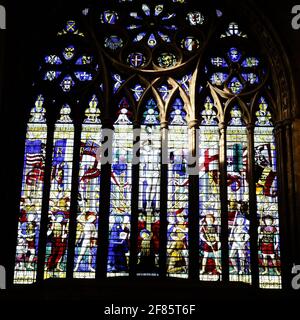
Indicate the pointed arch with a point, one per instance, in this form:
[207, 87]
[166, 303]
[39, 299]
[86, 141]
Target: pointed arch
[151, 95]
[178, 94]
[126, 96]
[183, 95]
[266, 94]
[239, 105]
[136, 86]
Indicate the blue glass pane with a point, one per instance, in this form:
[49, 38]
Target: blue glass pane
[235, 85]
[234, 55]
[83, 76]
[109, 17]
[113, 42]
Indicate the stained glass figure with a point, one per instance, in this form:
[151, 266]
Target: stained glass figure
[178, 182]
[60, 196]
[93, 112]
[31, 196]
[267, 198]
[149, 192]
[238, 198]
[121, 183]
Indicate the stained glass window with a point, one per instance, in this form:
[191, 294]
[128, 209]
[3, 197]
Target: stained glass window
[152, 76]
[88, 193]
[267, 198]
[149, 191]
[238, 198]
[31, 195]
[121, 184]
[60, 196]
[209, 191]
[178, 184]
